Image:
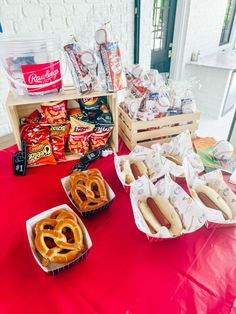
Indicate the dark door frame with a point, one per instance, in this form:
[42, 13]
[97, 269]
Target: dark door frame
[137, 5]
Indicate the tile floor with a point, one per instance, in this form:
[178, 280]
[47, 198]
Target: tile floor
[219, 129]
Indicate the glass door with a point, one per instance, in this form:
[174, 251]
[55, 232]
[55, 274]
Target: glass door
[163, 21]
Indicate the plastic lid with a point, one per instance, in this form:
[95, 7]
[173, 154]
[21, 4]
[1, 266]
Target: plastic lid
[22, 44]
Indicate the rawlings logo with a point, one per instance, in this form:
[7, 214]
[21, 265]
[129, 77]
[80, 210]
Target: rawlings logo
[42, 73]
[40, 79]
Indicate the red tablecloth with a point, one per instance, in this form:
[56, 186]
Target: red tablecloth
[123, 272]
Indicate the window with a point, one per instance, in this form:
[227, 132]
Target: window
[228, 22]
[158, 24]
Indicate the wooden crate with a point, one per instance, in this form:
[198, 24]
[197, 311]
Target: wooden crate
[22, 107]
[135, 132]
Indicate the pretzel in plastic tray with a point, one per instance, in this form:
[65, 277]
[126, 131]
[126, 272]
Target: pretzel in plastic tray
[88, 189]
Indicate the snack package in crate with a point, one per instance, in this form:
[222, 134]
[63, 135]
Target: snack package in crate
[148, 95]
[178, 148]
[111, 58]
[164, 211]
[182, 96]
[213, 196]
[83, 64]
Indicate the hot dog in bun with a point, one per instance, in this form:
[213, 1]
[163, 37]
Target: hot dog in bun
[210, 198]
[159, 212]
[133, 170]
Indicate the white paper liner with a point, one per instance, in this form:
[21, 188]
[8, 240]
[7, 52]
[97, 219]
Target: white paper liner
[157, 165]
[181, 146]
[67, 187]
[30, 223]
[215, 180]
[191, 216]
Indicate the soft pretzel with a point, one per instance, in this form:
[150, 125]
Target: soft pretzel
[63, 214]
[88, 189]
[45, 224]
[59, 238]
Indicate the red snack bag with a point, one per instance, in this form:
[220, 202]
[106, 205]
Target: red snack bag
[34, 117]
[54, 112]
[110, 53]
[40, 154]
[100, 136]
[58, 137]
[34, 133]
[79, 136]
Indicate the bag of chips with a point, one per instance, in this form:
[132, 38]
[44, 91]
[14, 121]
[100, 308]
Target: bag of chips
[54, 112]
[100, 136]
[75, 113]
[80, 132]
[40, 154]
[96, 111]
[58, 137]
[34, 133]
[34, 117]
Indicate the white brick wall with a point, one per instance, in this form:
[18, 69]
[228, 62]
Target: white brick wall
[80, 17]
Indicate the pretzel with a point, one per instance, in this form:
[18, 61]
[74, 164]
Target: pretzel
[63, 214]
[57, 244]
[88, 190]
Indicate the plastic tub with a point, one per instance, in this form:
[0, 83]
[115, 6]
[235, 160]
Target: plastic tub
[32, 63]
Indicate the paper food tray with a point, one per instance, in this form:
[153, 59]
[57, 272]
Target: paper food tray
[67, 187]
[158, 166]
[191, 216]
[55, 268]
[215, 180]
[181, 146]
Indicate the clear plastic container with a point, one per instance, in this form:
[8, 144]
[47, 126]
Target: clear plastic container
[32, 63]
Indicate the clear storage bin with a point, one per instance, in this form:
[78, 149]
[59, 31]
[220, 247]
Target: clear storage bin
[32, 63]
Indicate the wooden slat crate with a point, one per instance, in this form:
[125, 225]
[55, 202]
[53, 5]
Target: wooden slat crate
[161, 130]
[22, 107]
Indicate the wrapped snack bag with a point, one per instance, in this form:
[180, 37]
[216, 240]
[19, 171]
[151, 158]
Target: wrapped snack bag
[83, 67]
[58, 137]
[34, 133]
[100, 136]
[80, 132]
[96, 111]
[40, 154]
[34, 117]
[54, 112]
[110, 54]
[182, 95]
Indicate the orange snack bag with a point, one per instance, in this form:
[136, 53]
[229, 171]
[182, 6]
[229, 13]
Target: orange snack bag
[40, 154]
[58, 137]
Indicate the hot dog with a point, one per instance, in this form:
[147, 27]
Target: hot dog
[158, 212]
[174, 159]
[133, 170]
[210, 198]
